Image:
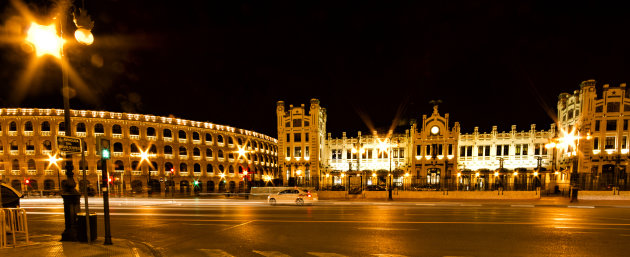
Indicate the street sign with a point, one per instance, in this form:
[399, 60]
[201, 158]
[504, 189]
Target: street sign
[70, 145]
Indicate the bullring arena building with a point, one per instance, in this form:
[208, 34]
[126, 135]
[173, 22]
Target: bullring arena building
[181, 155]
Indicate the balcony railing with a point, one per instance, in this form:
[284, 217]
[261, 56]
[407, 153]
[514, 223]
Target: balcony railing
[99, 134]
[118, 154]
[81, 134]
[208, 142]
[136, 172]
[46, 152]
[30, 152]
[183, 173]
[28, 133]
[15, 172]
[31, 172]
[12, 133]
[168, 139]
[44, 133]
[119, 136]
[14, 152]
[49, 172]
[182, 140]
[61, 133]
[209, 158]
[168, 156]
[183, 157]
[136, 137]
[196, 158]
[154, 172]
[196, 141]
[151, 138]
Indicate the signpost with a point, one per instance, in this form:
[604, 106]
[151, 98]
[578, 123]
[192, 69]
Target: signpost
[69, 145]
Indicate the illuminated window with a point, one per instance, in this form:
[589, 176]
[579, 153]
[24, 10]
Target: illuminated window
[305, 136]
[298, 151]
[150, 131]
[624, 142]
[168, 149]
[134, 131]
[306, 152]
[167, 133]
[610, 143]
[195, 136]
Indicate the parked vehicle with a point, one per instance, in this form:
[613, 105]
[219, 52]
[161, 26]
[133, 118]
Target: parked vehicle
[375, 188]
[293, 196]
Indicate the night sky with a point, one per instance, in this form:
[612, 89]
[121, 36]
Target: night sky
[229, 62]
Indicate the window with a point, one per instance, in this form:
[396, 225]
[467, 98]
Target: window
[480, 151]
[401, 153]
[196, 152]
[537, 149]
[450, 149]
[28, 126]
[220, 139]
[625, 125]
[181, 134]
[298, 151]
[288, 151]
[570, 114]
[167, 133]
[333, 154]
[427, 150]
[624, 142]
[518, 149]
[597, 125]
[168, 149]
[220, 154]
[208, 137]
[469, 150]
[297, 123]
[596, 143]
[626, 107]
[209, 168]
[47, 145]
[611, 125]
[498, 150]
[287, 124]
[183, 167]
[98, 128]
[297, 137]
[230, 140]
[116, 129]
[306, 123]
[419, 150]
[195, 136]
[599, 108]
[610, 143]
[13, 126]
[153, 149]
[305, 136]
[61, 127]
[150, 131]
[134, 131]
[306, 152]
[45, 126]
[613, 107]
[118, 147]
[288, 137]
[182, 151]
[134, 148]
[462, 151]
[486, 150]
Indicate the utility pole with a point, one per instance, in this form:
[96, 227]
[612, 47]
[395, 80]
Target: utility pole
[104, 147]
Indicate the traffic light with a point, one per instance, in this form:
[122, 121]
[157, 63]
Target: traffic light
[172, 171]
[27, 182]
[109, 180]
[103, 147]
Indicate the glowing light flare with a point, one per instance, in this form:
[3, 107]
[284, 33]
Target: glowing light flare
[45, 39]
[496, 173]
[535, 173]
[343, 175]
[373, 174]
[515, 173]
[52, 160]
[477, 174]
[459, 174]
[406, 174]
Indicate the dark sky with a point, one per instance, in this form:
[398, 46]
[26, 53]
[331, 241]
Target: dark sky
[228, 62]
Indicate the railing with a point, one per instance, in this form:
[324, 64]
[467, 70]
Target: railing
[12, 221]
[28, 133]
[80, 134]
[61, 133]
[136, 173]
[135, 137]
[30, 152]
[196, 142]
[167, 139]
[209, 142]
[99, 134]
[117, 136]
[168, 156]
[182, 140]
[118, 154]
[183, 157]
[45, 133]
[151, 138]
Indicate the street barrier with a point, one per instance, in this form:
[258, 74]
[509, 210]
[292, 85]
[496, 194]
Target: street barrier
[13, 222]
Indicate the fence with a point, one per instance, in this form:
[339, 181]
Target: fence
[12, 223]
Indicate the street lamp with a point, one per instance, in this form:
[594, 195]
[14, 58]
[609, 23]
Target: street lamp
[387, 146]
[144, 157]
[46, 42]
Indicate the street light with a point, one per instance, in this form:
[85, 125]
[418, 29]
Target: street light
[45, 40]
[387, 145]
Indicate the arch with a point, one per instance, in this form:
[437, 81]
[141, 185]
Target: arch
[31, 164]
[150, 131]
[61, 126]
[239, 141]
[232, 186]
[168, 166]
[209, 152]
[134, 165]
[196, 152]
[220, 153]
[220, 139]
[210, 186]
[209, 168]
[167, 133]
[153, 149]
[221, 168]
[136, 186]
[208, 137]
[197, 186]
[168, 149]
[182, 151]
[241, 186]
[195, 136]
[30, 145]
[155, 186]
[181, 134]
[119, 165]
[45, 126]
[133, 148]
[134, 131]
[15, 164]
[13, 127]
[80, 127]
[118, 147]
[99, 128]
[230, 140]
[13, 145]
[116, 129]
[28, 126]
[184, 186]
[240, 169]
[183, 167]
[231, 169]
[222, 186]
[196, 168]
[154, 166]
[49, 184]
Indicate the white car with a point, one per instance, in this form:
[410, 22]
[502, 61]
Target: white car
[293, 196]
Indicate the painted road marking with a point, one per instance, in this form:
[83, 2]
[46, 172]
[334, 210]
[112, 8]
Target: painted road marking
[326, 254]
[475, 205]
[389, 255]
[216, 253]
[522, 205]
[381, 228]
[245, 223]
[271, 253]
[581, 206]
[426, 204]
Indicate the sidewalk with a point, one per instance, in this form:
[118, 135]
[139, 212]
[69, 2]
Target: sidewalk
[48, 245]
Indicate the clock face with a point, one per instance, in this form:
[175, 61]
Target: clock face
[435, 130]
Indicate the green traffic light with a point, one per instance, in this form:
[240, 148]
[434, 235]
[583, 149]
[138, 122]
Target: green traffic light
[105, 154]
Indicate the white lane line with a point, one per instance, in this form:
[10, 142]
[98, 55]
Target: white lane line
[271, 253]
[216, 253]
[384, 229]
[326, 254]
[474, 205]
[523, 205]
[426, 204]
[581, 206]
[244, 223]
[388, 255]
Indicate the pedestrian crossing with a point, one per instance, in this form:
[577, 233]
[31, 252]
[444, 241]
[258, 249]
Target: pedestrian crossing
[222, 253]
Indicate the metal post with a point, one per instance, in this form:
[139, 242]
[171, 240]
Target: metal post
[108, 235]
[85, 195]
[389, 188]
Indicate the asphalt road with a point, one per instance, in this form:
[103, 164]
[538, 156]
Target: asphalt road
[225, 228]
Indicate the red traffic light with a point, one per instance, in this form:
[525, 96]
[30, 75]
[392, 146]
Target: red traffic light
[27, 181]
[109, 180]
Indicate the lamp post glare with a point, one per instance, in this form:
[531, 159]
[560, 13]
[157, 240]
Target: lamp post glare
[45, 39]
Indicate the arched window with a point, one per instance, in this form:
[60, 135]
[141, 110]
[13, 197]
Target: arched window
[220, 153]
[31, 164]
[13, 126]
[168, 149]
[167, 133]
[196, 152]
[183, 167]
[153, 149]
[168, 166]
[209, 168]
[15, 165]
[221, 168]
[28, 126]
[62, 126]
[231, 169]
[134, 131]
[134, 165]
[196, 167]
[209, 152]
[150, 131]
[30, 146]
[14, 145]
[208, 137]
[117, 129]
[182, 134]
[230, 140]
[119, 165]
[240, 141]
[255, 157]
[134, 148]
[195, 136]
[98, 128]
[182, 151]
[81, 127]
[220, 139]
[118, 147]
[154, 166]
[45, 126]
[49, 184]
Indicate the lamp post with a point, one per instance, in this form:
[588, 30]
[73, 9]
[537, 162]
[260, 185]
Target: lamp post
[46, 41]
